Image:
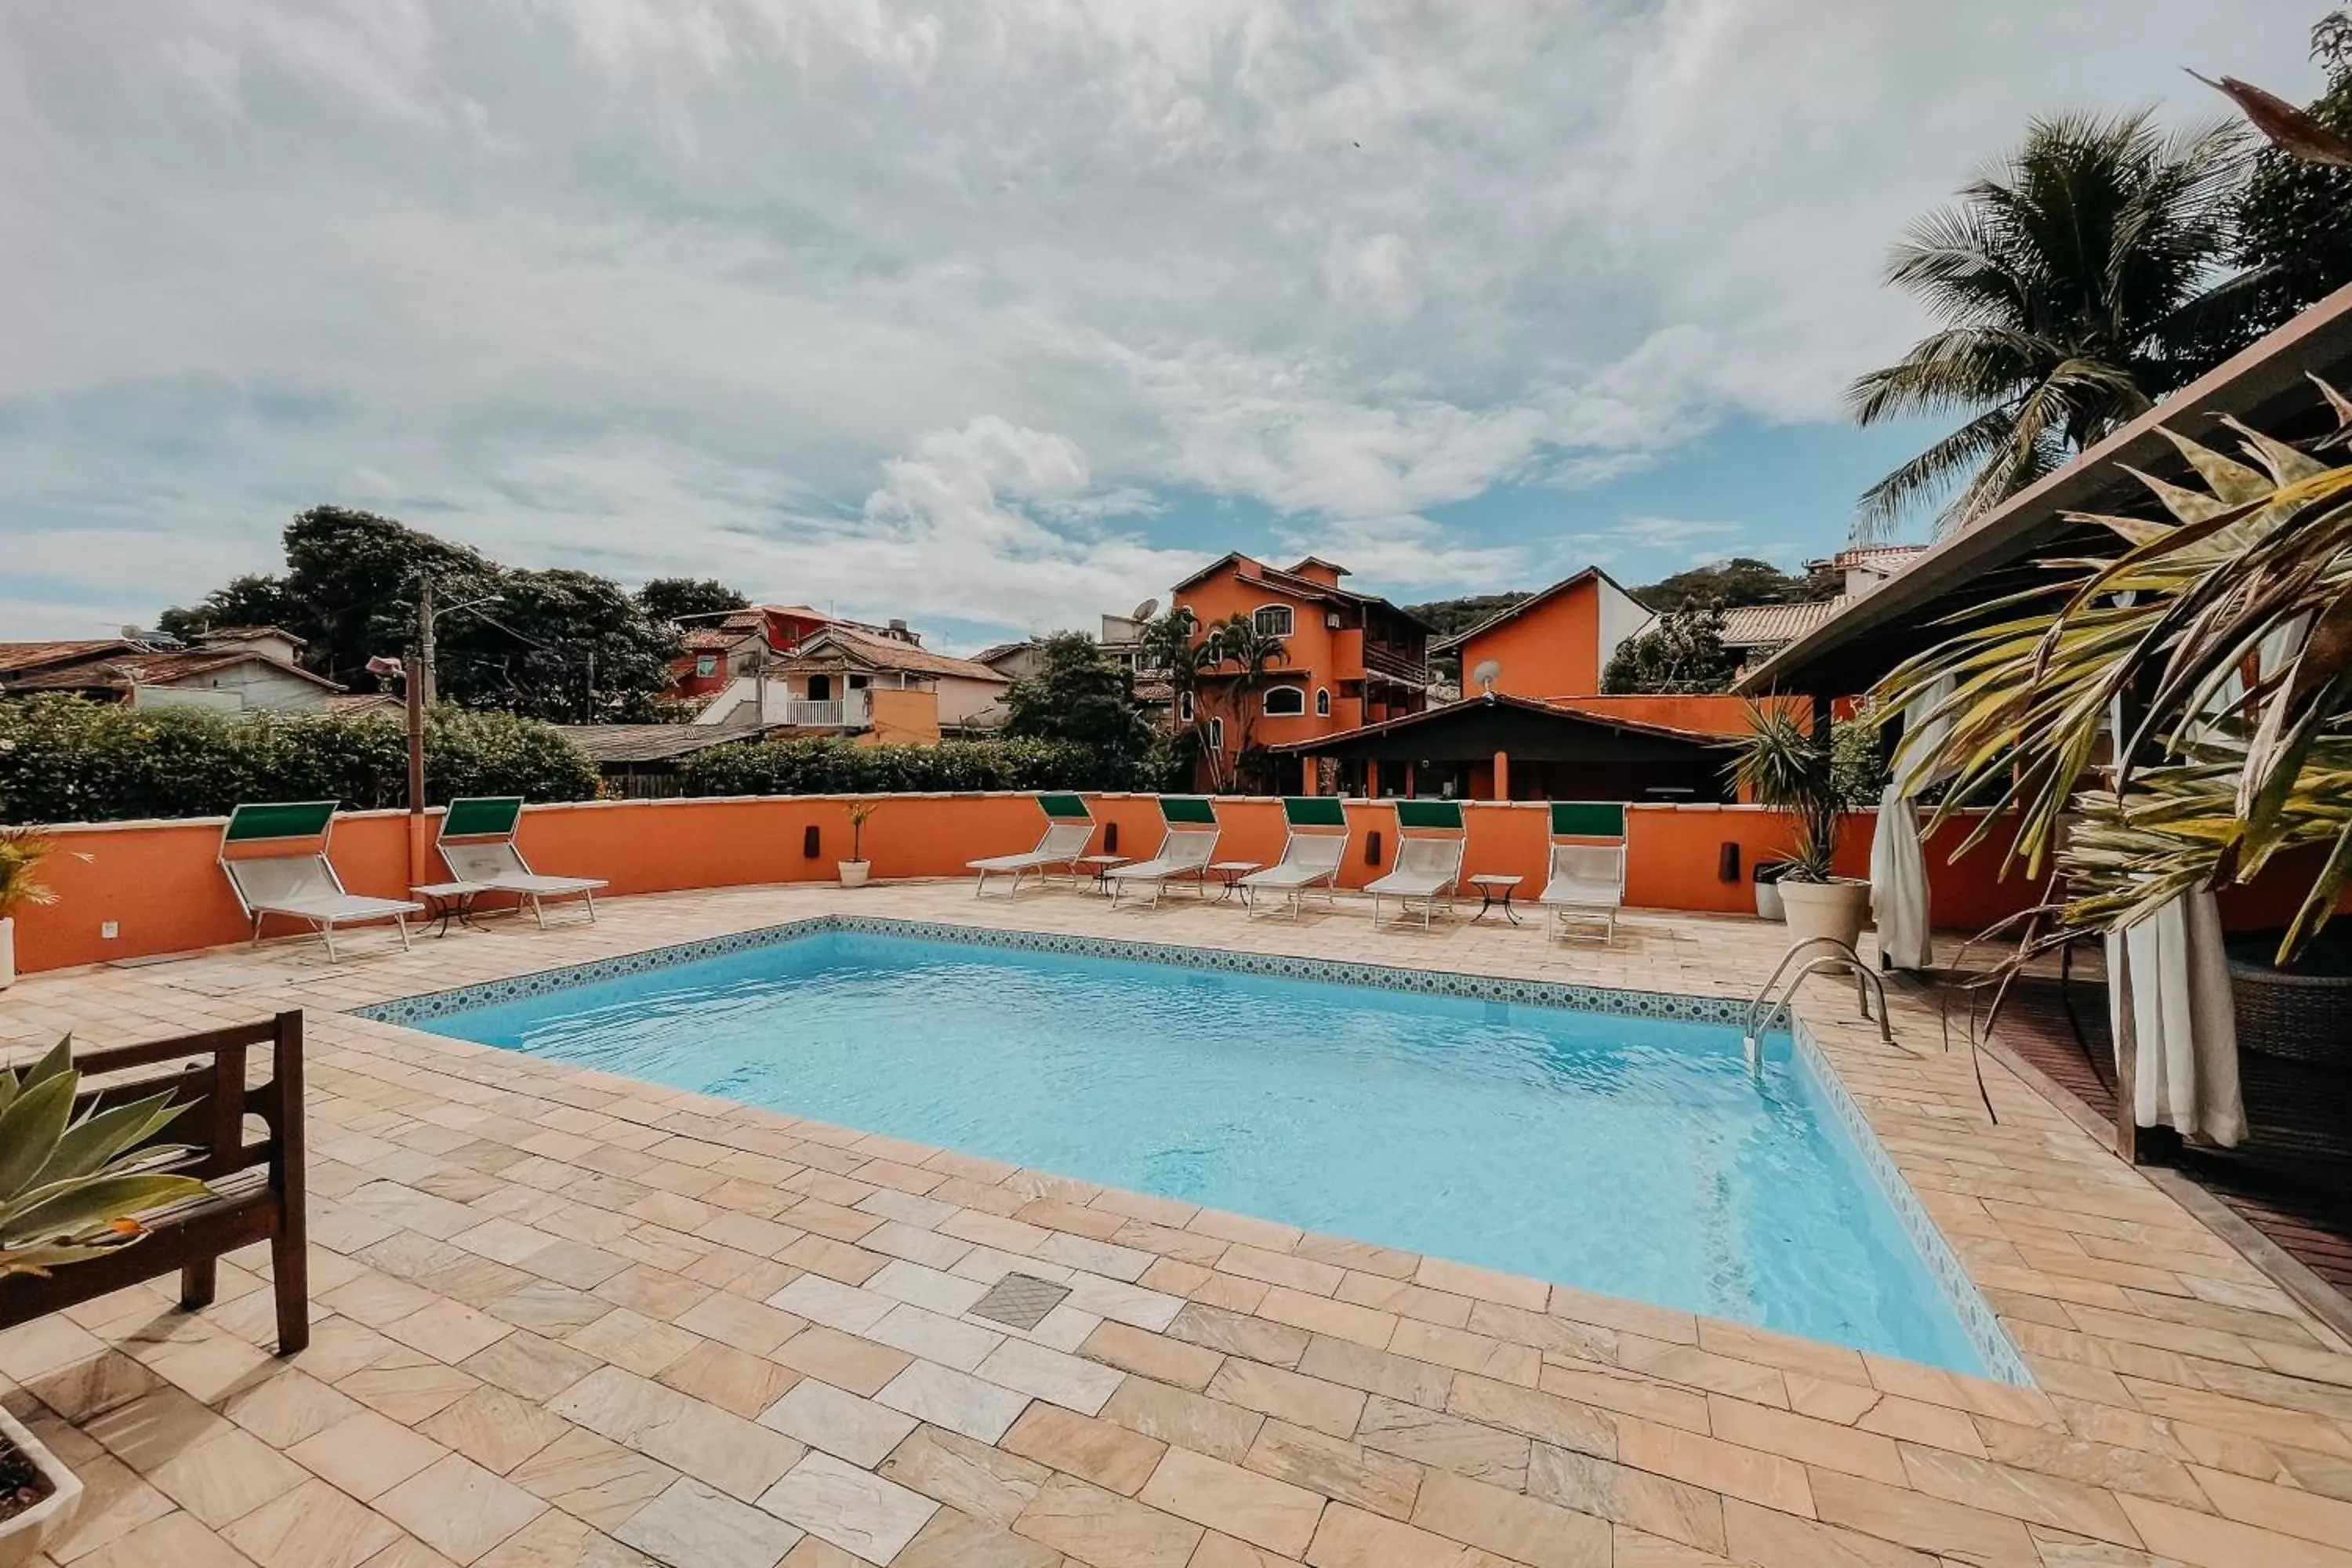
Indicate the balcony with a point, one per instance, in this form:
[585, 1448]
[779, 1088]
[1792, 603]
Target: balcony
[1396, 663]
[846, 713]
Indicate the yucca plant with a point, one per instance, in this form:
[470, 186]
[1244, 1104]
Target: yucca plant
[1779, 762]
[2224, 637]
[70, 1186]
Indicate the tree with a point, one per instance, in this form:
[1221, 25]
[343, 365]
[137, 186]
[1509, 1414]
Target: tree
[2295, 221]
[676, 598]
[1077, 695]
[2073, 285]
[1238, 697]
[1729, 584]
[1453, 616]
[1683, 653]
[567, 646]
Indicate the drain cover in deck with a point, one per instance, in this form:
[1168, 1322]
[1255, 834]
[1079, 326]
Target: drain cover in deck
[1019, 1300]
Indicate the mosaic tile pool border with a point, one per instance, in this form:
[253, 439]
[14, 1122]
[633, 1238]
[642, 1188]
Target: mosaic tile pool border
[1975, 1314]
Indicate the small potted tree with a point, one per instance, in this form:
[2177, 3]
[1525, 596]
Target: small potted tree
[1780, 763]
[857, 868]
[22, 850]
[70, 1189]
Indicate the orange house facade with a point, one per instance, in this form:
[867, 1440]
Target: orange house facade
[1348, 659]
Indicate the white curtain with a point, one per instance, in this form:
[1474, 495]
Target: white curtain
[2168, 994]
[1899, 883]
[1898, 860]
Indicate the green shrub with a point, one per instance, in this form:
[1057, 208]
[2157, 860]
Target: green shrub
[843, 767]
[66, 759]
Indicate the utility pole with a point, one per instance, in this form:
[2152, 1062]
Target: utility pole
[420, 693]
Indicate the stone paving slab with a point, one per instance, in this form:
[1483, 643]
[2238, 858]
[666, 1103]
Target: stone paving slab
[565, 1319]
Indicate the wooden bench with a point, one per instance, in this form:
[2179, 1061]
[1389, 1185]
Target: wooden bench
[258, 1187]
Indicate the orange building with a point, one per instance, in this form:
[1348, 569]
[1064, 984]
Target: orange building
[1554, 643]
[1348, 659]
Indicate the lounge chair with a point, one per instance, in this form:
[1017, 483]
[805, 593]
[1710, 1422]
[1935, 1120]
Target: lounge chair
[1587, 886]
[1428, 862]
[1185, 849]
[1069, 828]
[275, 856]
[1311, 856]
[478, 844]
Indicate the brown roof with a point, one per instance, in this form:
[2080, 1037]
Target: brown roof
[124, 671]
[1505, 699]
[364, 703]
[41, 655]
[653, 742]
[1513, 612]
[1770, 626]
[246, 634]
[877, 652]
[714, 639]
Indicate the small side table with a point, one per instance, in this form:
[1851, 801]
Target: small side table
[446, 901]
[1098, 867]
[1488, 884]
[1233, 871]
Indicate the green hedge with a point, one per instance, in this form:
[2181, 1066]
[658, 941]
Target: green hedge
[843, 767]
[66, 759]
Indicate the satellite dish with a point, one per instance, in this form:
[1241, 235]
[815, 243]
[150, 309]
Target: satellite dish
[1489, 671]
[1144, 610]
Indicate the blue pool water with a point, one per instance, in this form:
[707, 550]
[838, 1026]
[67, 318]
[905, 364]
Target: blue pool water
[1634, 1156]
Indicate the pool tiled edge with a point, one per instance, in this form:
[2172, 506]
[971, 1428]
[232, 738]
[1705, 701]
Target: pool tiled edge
[1976, 1316]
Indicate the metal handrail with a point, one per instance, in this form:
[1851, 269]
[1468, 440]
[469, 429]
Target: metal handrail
[1864, 979]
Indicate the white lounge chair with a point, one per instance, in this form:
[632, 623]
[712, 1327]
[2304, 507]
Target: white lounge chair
[1587, 885]
[1185, 850]
[1428, 862]
[275, 856]
[1069, 828]
[478, 844]
[1311, 856]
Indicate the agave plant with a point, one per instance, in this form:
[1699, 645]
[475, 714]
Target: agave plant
[2224, 638]
[70, 1186]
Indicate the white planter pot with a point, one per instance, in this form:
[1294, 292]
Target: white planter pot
[1838, 908]
[23, 1537]
[1767, 902]
[854, 872]
[8, 952]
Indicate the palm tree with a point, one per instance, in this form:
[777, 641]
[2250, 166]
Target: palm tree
[2072, 283]
[1254, 655]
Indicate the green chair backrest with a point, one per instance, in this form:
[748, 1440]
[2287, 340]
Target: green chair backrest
[483, 817]
[1186, 810]
[280, 819]
[1434, 814]
[1065, 807]
[1314, 811]
[1588, 819]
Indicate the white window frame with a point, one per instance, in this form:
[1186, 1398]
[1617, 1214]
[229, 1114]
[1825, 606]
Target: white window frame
[1289, 620]
[1216, 734]
[1267, 708]
[1184, 709]
[1322, 702]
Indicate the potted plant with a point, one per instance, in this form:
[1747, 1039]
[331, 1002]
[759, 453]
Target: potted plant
[1780, 763]
[71, 1187]
[1767, 877]
[856, 869]
[22, 850]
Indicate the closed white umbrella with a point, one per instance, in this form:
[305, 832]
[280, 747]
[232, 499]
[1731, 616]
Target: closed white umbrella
[2169, 1000]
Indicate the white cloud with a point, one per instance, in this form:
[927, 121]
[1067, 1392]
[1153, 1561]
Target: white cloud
[926, 309]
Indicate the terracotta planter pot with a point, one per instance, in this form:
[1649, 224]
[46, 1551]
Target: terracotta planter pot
[1839, 909]
[23, 1537]
[854, 872]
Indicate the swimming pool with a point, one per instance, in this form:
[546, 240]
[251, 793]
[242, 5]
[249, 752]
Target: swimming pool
[1634, 1155]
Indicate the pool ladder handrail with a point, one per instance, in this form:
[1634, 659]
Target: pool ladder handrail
[1864, 979]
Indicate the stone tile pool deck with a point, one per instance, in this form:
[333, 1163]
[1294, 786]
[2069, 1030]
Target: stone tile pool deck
[566, 1319]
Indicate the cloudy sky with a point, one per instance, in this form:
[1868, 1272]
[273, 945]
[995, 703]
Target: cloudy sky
[995, 314]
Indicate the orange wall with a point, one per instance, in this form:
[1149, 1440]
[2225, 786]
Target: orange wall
[902, 718]
[1553, 650]
[159, 880]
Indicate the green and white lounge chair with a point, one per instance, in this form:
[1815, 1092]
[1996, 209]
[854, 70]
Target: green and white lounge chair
[1069, 828]
[478, 844]
[1587, 885]
[275, 856]
[1311, 856]
[1430, 841]
[1185, 849]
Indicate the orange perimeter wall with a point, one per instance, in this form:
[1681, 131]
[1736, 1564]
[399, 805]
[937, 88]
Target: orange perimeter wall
[158, 883]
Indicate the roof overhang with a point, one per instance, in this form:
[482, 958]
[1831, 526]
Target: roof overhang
[2268, 385]
[1477, 727]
